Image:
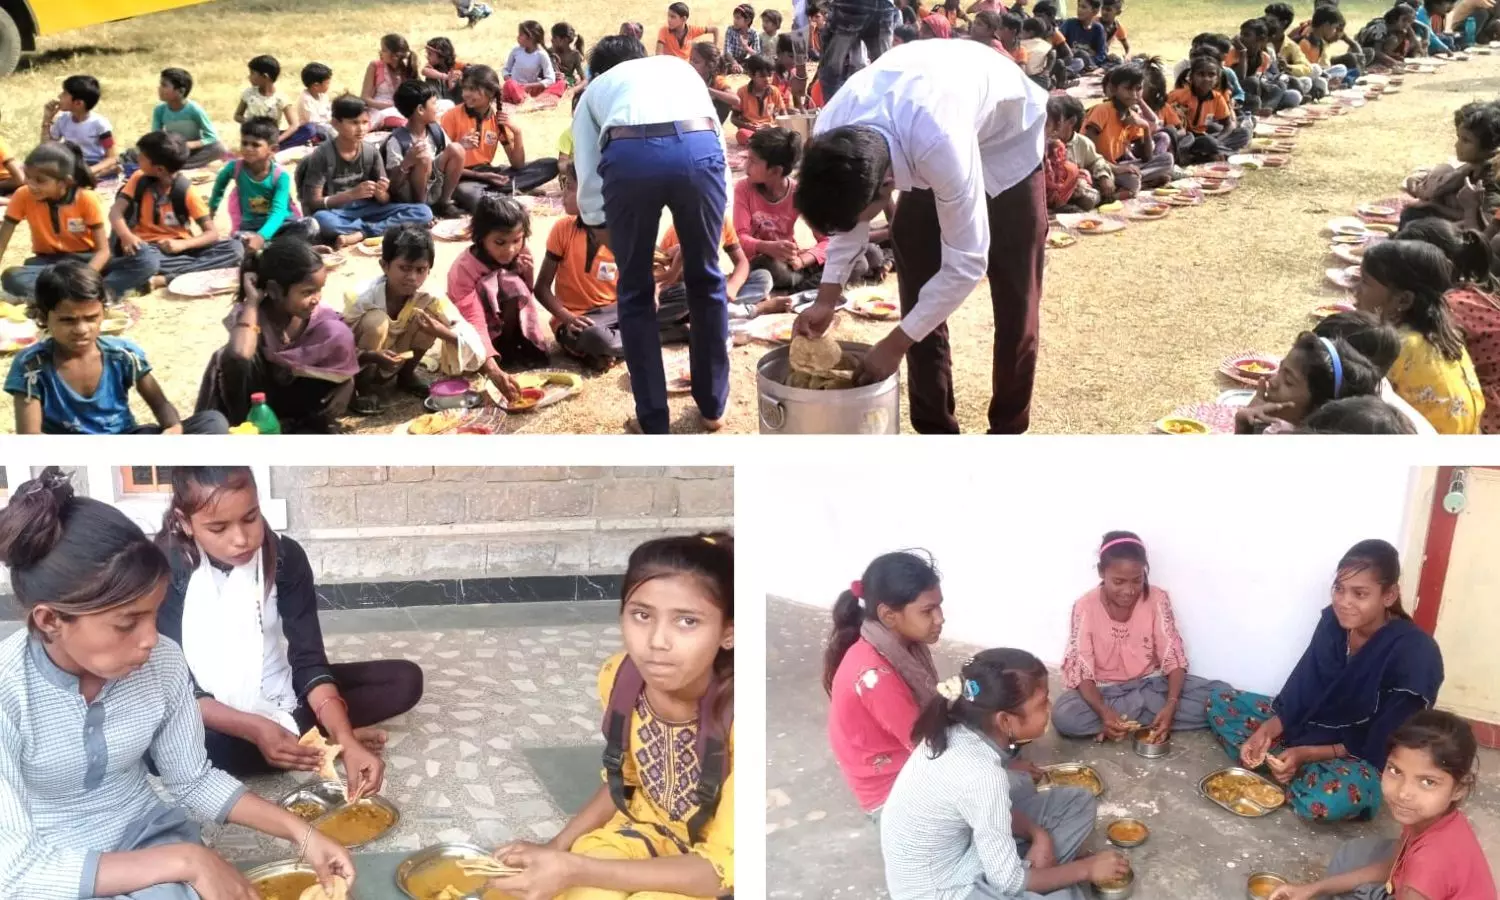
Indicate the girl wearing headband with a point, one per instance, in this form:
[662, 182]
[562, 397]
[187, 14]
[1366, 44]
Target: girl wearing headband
[1368, 669]
[1125, 667]
[89, 693]
[878, 670]
[955, 826]
[1316, 371]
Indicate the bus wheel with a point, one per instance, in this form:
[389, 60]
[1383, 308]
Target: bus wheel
[10, 44]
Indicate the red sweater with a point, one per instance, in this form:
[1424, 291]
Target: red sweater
[870, 722]
[758, 221]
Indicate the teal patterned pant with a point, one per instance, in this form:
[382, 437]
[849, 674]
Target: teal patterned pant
[1332, 791]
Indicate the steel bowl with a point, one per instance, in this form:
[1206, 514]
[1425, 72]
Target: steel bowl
[1149, 750]
[436, 853]
[374, 800]
[1261, 885]
[1125, 844]
[1123, 892]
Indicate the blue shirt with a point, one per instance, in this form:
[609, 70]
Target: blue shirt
[1435, 42]
[1093, 36]
[34, 375]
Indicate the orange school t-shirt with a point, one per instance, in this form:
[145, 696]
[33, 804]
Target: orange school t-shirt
[582, 285]
[681, 49]
[1115, 137]
[1185, 110]
[1234, 57]
[761, 110]
[62, 227]
[728, 239]
[1314, 52]
[159, 224]
[457, 124]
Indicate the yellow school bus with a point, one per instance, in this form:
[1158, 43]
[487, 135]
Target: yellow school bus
[23, 21]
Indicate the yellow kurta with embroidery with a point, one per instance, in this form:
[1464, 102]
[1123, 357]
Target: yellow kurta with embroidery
[661, 763]
[1444, 391]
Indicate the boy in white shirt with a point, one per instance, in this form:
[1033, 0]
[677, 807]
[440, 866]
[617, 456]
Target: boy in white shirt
[71, 117]
[314, 108]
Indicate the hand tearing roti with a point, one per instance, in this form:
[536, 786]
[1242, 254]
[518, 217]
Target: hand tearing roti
[314, 739]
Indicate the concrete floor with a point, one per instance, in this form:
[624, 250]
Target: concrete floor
[820, 845]
[502, 682]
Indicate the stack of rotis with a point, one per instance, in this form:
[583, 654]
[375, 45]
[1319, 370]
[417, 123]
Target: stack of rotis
[819, 364]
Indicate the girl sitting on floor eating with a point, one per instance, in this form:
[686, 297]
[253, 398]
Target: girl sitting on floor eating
[1368, 669]
[244, 608]
[1316, 371]
[1125, 662]
[662, 825]
[1430, 771]
[1201, 110]
[1473, 303]
[91, 697]
[878, 670]
[955, 825]
[1127, 133]
[1405, 282]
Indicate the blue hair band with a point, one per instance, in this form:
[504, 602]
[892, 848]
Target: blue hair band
[1338, 367]
[971, 690]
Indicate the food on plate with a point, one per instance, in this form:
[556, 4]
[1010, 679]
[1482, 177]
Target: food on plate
[1254, 367]
[1078, 777]
[443, 879]
[1166, 192]
[435, 423]
[285, 887]
[1090, 225]
[1244, 807]
[306, 809]
[1371, 210]
[1182, 425]
[1127, 831]
[340, 891]
[527, 398]
[357, 823]
[372, 242]
[1247, 795]
[1153, 210]
[1116, 884]
[1264, 794]
[1059, 239]
[488, 866]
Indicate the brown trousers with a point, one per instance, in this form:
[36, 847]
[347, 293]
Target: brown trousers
[1018, 236]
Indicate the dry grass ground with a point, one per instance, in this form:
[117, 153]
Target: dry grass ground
[1132, 324]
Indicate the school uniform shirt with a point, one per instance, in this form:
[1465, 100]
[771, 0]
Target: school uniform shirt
[34, 375]
[1187, 110]
[583, 283]
[1447, 392]
[73, 776]
[760, 221]
[632, 93]
[946, 823]
[315, 110]
[761, 111]
[258, 104]
[681, 49]
[191, 122]
[728, 240]
[94, 135]
[1445, 862]
[965, 140]
[1114, 32]
[158, 221]
[265, 203]
[1234, 57]
[458, 124]
[1115, 136]
[1312, 49]
[65, 226]
[335, 174]
[529, 68]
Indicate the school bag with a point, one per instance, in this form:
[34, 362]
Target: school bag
[404, 139]
[234, 192]
[712, 744]
[177, 194]
[1373, 34]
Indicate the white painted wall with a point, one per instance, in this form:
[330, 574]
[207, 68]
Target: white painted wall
[1248, 560]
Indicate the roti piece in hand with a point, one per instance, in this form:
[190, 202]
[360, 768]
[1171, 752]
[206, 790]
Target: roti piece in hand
[815, 356]
[314, 739]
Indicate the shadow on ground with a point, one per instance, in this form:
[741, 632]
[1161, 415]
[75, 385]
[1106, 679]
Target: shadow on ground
[67, 54]
[820, 845]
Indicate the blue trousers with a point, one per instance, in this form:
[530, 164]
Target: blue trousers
[683, 173]
[370, 218]
[123, 274]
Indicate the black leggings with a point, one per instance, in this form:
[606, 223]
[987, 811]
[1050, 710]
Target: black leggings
[375, 691]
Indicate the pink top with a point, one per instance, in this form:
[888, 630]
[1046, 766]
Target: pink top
[869, 723]
[1104, 651]
[758, 220]
[1445, 862]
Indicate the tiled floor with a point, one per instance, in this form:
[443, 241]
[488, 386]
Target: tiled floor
[499, 681]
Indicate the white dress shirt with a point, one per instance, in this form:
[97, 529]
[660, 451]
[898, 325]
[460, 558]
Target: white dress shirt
[646, 91]
[961, 121]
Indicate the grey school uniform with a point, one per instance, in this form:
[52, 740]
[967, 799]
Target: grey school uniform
[73, 774]
[945, 829]
[1141, 699]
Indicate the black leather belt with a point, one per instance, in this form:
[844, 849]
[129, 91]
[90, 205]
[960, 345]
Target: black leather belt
[659, 129]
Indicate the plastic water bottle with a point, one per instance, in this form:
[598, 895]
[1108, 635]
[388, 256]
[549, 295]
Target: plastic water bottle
[262, 416]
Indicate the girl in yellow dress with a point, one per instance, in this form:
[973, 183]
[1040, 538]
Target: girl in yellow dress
[1404, 283]
[661, 826]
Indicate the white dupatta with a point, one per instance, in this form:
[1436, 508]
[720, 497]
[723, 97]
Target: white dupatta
[224, 638]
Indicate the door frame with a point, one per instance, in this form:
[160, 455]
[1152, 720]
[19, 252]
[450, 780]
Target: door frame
[1441, 528]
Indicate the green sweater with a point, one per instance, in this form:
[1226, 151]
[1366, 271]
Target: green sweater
[191, 122]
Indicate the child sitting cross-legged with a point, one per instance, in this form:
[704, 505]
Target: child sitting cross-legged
[742, 41]
[262, 99]
[747, 290]
[396, 64]
[261, 194]
[1038, 53]
[72, 117]
[344, 182]
[66, 218]
[1445, 191]
[1317, 37]
[1250, 59]
[482, 127]
[396, 324]
[528, 69]
[760, 101]
[423, 165]
[1077, 177]
[567, 54]
[1114, 29]
[578, 285]
[154, 215]
[444, 71]
[78, 381]
[1127, 133]
[181, 116]
[1201, 112]
[314, 108]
